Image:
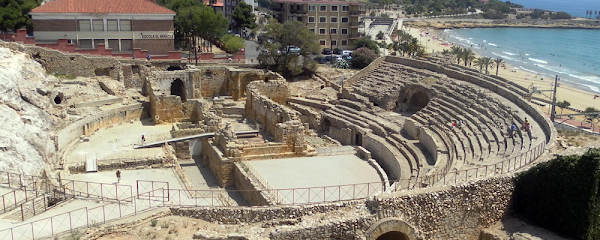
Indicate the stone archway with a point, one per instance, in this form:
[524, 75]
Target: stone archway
[391, 228]
[414, 98]
[247, 79]
[178, 89]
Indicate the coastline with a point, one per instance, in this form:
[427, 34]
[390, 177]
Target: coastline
[579, 99]
[442, 24]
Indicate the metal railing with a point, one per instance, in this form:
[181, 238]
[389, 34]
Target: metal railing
[13, 199]
[265, 184]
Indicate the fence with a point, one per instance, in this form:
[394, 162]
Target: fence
[15, 198]
[252, 173]
[465, 175]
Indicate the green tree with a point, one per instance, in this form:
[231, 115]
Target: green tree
[14, 14]
[467, 55]
[380, 35]
[487, 61]
[497, 63]
[368, 43]
[273, 55]
[457, 52]
[362, 57]
[206, 23]
[562, 105]
[480, 63]
[232, 43]
[243, 16]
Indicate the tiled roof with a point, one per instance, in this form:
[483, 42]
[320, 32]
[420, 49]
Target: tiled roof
[102, 6]
[321, 2]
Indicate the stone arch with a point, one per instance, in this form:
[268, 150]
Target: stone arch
[413, 98]
[247, 79]
[325, 126]
[178, 89]
[391, 228]
[174, 68]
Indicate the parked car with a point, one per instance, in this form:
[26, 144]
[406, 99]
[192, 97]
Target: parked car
[326, 51]
[337, 51]
[347, 53]
[346, 57]
[320, 59]
[292, 49]
[327, 58]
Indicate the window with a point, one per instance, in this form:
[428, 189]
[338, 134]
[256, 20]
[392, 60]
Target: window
[85, 43]
[334, 8]
[345, 8]
[322, 31]
[85, 26]
[333, 42]
[98, 25]
[322, 19]
[126, 45]
[113, 44]
[344, 31]
[112, 25]
[299, 19]
[333, 31]
[311, 8]
[344, 42]
[125, 25]
[333, 19]
[97, 42]
[322, 42]
[344, 19]
[311, 19]
[312, 30]
[323, 8]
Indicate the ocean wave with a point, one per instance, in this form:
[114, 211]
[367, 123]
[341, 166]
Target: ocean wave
[526, 54]
[484, 40]
[593, 88]
[592, 79]
[538, 60]
[491, 44]
[528, 70]
[505, 57]
[555, 69]
[509, 53]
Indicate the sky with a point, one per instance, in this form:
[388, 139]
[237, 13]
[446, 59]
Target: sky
[573, 7]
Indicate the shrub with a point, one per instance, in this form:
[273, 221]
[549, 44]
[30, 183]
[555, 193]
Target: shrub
[362, 57]
[153, 222]
[232, 43]
[562, 195]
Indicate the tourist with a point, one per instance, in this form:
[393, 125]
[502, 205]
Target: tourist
[118, 175]
[148, 56]
[512, 129]
[143, 140]
[460, 122]
[132, 56]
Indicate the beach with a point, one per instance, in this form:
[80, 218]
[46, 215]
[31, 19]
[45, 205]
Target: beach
[579, 99]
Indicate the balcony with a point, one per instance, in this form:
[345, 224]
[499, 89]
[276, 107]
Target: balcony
[355, 35]
[358, 13]
[277, 9]
[296, 11]
[356, 24]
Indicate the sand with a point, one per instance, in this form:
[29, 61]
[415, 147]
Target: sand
[579, 99]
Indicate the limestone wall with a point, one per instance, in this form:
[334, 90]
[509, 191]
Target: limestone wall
[221, 166]
[249, 188]
[343, 135]
[263, 103]
[387, 156]
[104, 119]
[450, 212]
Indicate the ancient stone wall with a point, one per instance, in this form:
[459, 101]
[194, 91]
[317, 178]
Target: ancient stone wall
[101, 120]
[387, 156]
[343, 135]
[261, 105]
[221, 166]
[249, 188]
[450, 212]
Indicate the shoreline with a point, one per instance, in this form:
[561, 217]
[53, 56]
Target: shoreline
[441, 24]
[579, 98]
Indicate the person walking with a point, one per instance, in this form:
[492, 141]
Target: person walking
[118, 176]
[143, 140]
[148, 56]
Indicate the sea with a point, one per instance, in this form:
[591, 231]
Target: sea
[571, 54]
[573, 7]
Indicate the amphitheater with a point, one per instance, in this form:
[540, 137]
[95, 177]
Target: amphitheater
[404, 149]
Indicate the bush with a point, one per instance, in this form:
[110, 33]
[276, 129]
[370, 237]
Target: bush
[562, 195]
[232, 43]
[362, 57]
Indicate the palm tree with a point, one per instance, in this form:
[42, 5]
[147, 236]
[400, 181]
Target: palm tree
[480, 62]
[466, 55]
[487, 61]
[471, 58]
[456, 51]
[497, 63]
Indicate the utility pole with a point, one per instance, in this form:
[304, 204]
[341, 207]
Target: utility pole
[553, 114]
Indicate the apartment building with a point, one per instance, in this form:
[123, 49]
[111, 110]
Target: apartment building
[226, 7]
[119, 25]
[336, 23]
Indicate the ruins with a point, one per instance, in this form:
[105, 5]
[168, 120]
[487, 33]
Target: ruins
[403, 149]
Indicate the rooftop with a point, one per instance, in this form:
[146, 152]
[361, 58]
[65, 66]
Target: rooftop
[102, 6]
[321, 2]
